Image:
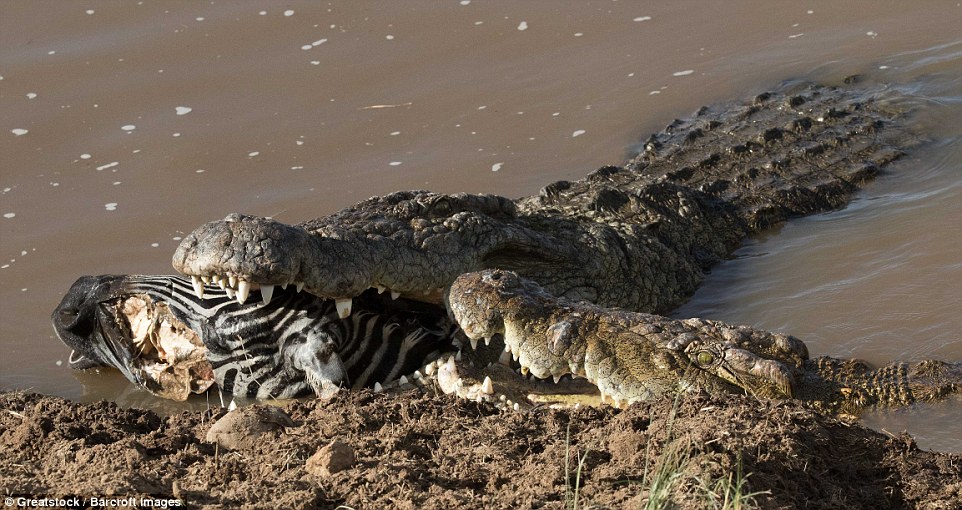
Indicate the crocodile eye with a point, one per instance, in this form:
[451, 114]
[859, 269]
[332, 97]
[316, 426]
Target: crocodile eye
[442, 207]
[704, 358]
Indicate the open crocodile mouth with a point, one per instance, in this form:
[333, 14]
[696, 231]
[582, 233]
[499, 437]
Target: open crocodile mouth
[467, 373]
[239, 287]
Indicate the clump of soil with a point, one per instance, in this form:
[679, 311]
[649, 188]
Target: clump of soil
[411, 450]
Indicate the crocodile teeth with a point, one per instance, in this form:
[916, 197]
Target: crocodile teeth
[556, 378]
[378, 388]
[219, 281]
[395, 294]
[402, 380]
[267, 292]
[205, 279]
[474, 343]
[487, 387]
[487, 340]
[232, 281]
[381, 289]
[230, 292]
[524, 371]
[243, 290]
[429, 368]
[198, 286]
[284, 286]
[343, 306]
[516, 407]
[299, 286]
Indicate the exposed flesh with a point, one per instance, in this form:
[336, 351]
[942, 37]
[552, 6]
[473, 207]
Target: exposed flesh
[170, 357]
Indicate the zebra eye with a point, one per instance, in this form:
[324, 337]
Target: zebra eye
[704, 358]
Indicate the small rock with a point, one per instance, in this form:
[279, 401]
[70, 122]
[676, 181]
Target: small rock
[241, 428]
[330, 459]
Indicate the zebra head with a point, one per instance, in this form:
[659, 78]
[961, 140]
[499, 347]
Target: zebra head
[165, 338]
[115, 321]
[85, 323]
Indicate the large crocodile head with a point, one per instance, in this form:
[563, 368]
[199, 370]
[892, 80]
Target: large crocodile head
[411, 243]
[629, 356]
[416, 243]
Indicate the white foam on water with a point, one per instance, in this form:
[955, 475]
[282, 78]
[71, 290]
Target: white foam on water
[9, 215]
[252, 154]
[19, 131]
[578, 132]
[31, 95]
[128, 127]
[523, 26]
[111, 206]
[395, 163]
[686, 72]
[108, 165]
[497, 166]
[288, 13]
[642, 18]
[183, 110]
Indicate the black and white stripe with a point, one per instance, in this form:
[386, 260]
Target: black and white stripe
[296, 345]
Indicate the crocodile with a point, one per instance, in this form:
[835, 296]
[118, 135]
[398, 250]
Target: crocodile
[632, 356]
[638, 237]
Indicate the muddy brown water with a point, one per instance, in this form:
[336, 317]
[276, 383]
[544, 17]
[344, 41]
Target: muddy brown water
[125, 125]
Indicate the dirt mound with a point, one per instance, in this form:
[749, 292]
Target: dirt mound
[414, 451]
